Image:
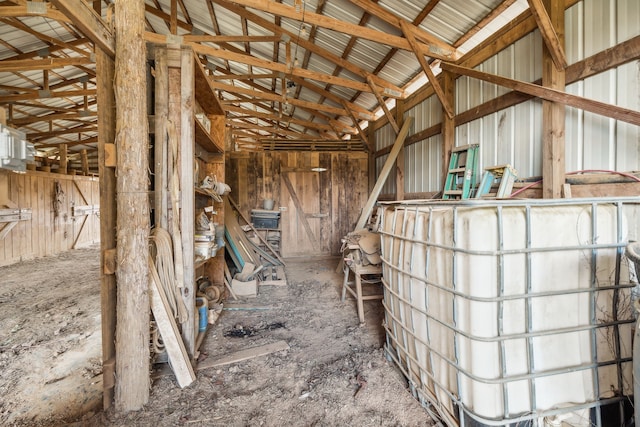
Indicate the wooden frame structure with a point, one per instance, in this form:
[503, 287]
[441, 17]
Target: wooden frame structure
[277, 102]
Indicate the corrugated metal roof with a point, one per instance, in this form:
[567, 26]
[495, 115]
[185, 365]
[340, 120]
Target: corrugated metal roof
[447, 21]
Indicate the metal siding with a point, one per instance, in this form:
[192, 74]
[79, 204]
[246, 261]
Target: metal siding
[592, 141]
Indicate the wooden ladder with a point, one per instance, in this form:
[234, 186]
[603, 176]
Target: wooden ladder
[503, 175]
[461, 176]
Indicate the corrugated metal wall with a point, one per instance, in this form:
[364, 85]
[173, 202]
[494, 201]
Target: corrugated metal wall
[385, 136]
[422, 160]
[513, 135]
[595, 142]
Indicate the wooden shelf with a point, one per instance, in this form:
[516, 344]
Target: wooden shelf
[205, 140]
[204, 93]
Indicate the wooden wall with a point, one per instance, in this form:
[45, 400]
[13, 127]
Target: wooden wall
[330, 201]
[48, 232]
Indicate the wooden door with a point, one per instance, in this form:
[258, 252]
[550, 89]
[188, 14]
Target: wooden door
[302, 214]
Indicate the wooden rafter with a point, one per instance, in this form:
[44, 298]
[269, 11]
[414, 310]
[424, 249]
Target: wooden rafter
[383, 104]
[89, 22]
[342, 26]
[406, 28]
[597, 107]
[42, 64]
[45, 38]
[33, 10]
[388, 88]
[434, 47]
[365, 141]
[48, 94]
[548, 32]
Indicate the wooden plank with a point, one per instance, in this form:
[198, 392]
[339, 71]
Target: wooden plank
[549, 94]
[300, 209]
[133, 215]
[90, 24]
[408, 33]
[242, 355]
[62, 167]
[384, 173]
[187, 201]
[552, 40]
[160, 166]
[448, 125]
[178, 356]
[553, 113]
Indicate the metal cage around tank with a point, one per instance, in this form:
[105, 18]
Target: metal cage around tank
[512, 311]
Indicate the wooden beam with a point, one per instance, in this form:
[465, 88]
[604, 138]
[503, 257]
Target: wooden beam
[601, 108]
[42, 64]
[323, 21]
[388, 88]
[63, 160]
[40, 136]
[278, 98]
[553, 113]
[49, 117]
[45, 94]
[435, 47]
[33, 9]
[552, 40]
[89, 23]
[244, 112]
[132, 328]
[612, 57]
[384, 173]
[400, 163]
[276, 66]
[383, 104]
[206, 38]
[363, 135]
[448, 124]
[408, 32]
[252, 76]
[108, 207]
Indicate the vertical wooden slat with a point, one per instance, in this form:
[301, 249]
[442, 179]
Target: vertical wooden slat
[33, 224]
[400, 160]
[448, 124]
[16, 233]
[160, 138]
[105, 69]
[187, 129]
[325, 204]
[62, 167]
[132, 327]
[553, 114]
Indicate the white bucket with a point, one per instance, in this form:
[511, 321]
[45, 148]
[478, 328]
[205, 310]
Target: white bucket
[268, 204]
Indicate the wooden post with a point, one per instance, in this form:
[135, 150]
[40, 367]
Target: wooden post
[448, 123]
[132, 252]
[371, 157]
[187, 202]
[62, 167]
[85, 162]
[106, 136]
[553, 113]
[400, 159]
[160, 169]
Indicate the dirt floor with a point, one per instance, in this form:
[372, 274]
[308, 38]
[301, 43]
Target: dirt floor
[333, 374]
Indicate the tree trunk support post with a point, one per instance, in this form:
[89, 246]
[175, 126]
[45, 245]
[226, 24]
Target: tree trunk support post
[132, 186]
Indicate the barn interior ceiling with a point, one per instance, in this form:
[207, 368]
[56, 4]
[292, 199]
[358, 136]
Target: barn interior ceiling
[291, 75]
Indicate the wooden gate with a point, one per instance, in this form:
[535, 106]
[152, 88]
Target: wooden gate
[300, 222]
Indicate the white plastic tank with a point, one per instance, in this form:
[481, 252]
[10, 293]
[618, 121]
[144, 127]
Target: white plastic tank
[507, 311]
